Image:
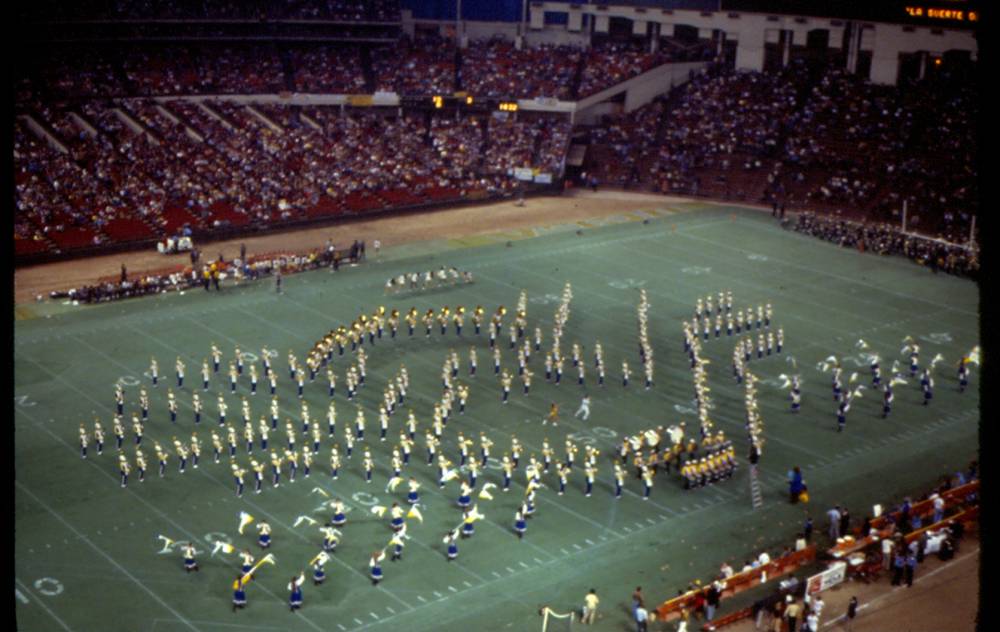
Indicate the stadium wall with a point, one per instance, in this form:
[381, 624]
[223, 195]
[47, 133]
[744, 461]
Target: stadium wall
[638, 91]
[753, 31]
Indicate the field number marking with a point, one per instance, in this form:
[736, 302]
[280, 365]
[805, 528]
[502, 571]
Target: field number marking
[48, 586]
[625, 284]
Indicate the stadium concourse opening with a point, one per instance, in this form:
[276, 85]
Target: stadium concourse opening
[686, 309]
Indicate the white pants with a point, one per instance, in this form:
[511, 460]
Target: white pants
[585, 409]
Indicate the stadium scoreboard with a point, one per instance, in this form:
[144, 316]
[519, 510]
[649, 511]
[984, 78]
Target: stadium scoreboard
[460, 100]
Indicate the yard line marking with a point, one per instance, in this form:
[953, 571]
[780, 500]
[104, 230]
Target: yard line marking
[59, 439]
[437, 594]
[341, 627]
[604, 537]
[359, 621]
[650, 521]
[627, 530]
[496, 574]
[374, 616]
[422, 600]
[684, 508]
[452, 589]
[467, 584]
[510, 570]
[273, 518]
[101, 552]
[524, 565]
[19, 595]
[577, 547]
[539, 561]
[390, 609]
[42, 604]
[564, 551]
[590, 542]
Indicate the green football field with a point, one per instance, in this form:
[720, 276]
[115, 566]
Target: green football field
[87, 553]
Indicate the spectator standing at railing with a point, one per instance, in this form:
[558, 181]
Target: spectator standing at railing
[712, 597]
[938, 507]
[911, 566]
[792, 613]
[834, 516]
[898, 564]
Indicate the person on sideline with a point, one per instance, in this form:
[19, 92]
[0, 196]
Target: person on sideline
[590, 607]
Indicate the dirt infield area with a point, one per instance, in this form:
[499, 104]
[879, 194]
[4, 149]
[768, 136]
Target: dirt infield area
[390, 230]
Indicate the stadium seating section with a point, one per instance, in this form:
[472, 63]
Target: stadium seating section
[816, 139]
[98, 161]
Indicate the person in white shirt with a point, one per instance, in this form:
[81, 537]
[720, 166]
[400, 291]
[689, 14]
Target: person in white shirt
[887, 547]
[812, 622]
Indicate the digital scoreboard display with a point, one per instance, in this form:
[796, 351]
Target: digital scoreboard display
[942, 13]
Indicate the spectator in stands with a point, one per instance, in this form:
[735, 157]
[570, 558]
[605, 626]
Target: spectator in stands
[911, 567]
[726, 571]
[712, 597]
[834, 516]
[792, 612]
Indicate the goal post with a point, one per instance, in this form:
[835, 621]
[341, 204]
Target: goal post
[553, 621]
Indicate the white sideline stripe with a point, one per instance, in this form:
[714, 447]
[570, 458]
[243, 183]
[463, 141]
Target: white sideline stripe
[139, 498]
[225, 500]
[100, 552]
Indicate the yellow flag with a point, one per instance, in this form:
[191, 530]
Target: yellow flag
[415, 513]
[245, 519]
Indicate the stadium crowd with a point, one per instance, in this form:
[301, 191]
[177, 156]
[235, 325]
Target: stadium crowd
[136, 169]
[252, 269]
[886, 239]
[819, 141]
[494, 68]
[611, 63]
[340, 10]
[815, 139]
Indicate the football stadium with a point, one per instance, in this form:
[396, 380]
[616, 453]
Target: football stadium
[496, 315]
